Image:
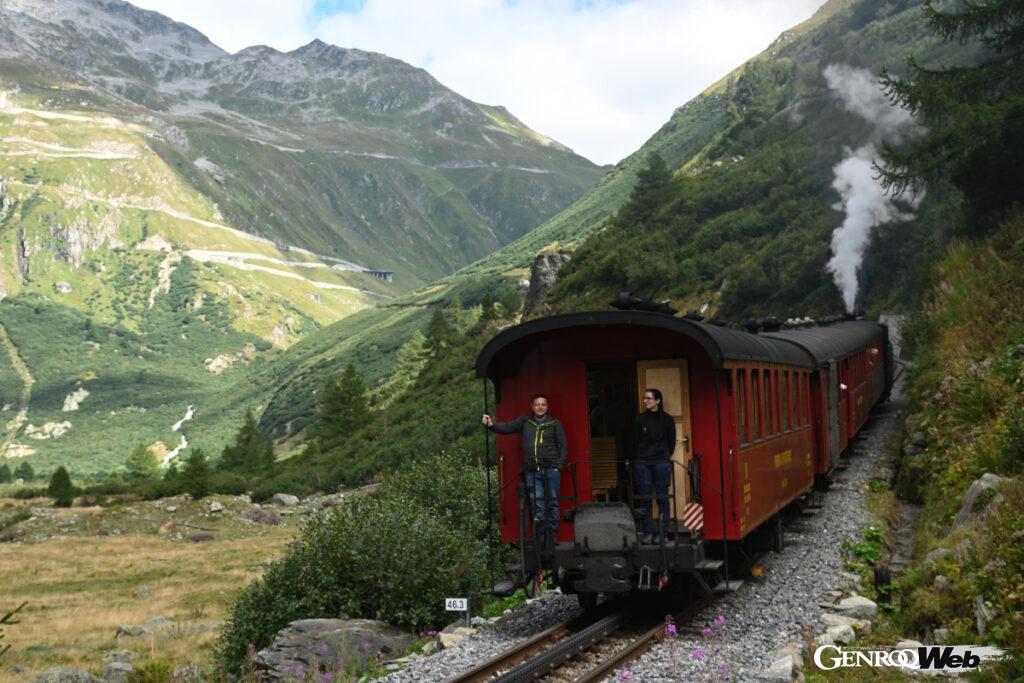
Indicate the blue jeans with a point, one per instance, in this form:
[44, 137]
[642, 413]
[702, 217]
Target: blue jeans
[652, 480]
[543, 487]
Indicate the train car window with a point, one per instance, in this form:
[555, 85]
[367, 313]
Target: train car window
[805, 392]
[741, 406]
[755, 416]
[769, 400]
[776, 413]
[785, 401]
[798, 398]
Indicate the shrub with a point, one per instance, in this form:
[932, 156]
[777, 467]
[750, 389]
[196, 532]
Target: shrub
[393, 556]
[153, 671]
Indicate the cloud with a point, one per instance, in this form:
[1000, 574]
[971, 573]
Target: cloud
[600, 76]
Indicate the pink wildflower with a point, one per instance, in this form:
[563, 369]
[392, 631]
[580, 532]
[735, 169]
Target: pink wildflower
[625, 675]
[720, 620]
[698, 653]
[708, 632]
[670, 629]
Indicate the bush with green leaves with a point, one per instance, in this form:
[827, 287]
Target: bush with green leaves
[393, 555]
[5, 473]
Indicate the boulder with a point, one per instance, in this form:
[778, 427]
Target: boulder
[61, 674]
[839, 634]
[215, 506]
[856, 606]
[782, 670]
[285, 499]
[543, 273]
[262, 516]
[981, 499]
[118, 672]
[858, 625]
[130, 631]
[983, 614]
[318, 644]
[908, 645]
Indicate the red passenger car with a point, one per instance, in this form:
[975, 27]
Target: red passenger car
[749, 412]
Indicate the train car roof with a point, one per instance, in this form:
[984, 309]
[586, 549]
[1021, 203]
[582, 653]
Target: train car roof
[834, 341]
[721, 343]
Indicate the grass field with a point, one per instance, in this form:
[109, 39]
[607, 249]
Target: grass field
[80, 586]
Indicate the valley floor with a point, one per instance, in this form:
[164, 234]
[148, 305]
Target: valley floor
[106, 584]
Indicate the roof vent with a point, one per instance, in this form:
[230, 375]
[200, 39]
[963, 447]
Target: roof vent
[752, 326]
[693, 315]
[627, 302]
[771, 324]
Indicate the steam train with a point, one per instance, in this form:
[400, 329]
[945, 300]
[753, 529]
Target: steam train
[761, 420]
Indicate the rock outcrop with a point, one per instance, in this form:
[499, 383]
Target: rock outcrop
[543, 273]
[315, 645]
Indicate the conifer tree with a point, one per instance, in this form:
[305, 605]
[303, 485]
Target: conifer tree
[251, 450]
[141, 464]
[409, 361]
[171, 473]
[653, 184]
[511, 302]
[195, 477]
[973, 115]
[24, 471]
[343, 408]
[60, 488]
[487, 311]
[5, 474]
[439, 332]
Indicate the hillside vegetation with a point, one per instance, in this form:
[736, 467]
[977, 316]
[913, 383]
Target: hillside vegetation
[743, 225]
[175, 217]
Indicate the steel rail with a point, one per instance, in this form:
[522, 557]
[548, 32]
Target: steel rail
[639, 646]
[563, 651]
[518, 654]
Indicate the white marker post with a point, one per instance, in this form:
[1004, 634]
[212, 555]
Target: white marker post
[458, 605]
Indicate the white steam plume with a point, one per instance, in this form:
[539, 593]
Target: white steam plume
[860, 190]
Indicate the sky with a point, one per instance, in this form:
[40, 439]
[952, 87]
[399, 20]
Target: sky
[600, 76]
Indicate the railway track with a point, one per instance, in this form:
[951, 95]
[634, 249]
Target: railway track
[581, 650]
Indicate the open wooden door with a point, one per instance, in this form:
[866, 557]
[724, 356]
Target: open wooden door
[672, 378]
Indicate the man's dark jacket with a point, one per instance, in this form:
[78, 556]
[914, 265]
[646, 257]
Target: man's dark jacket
[544, 444]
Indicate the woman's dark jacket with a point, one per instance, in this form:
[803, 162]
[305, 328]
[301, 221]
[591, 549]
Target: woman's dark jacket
[544, 444]
[655, 436]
